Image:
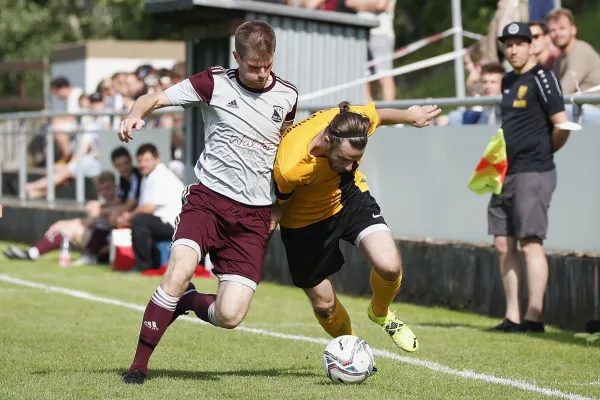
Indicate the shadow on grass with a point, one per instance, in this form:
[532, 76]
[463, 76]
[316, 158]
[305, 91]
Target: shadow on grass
[196, 375]
[565, 337]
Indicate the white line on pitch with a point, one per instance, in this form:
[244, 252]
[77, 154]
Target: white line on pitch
[433, 366]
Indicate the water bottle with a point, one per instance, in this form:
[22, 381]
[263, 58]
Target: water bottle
[64, 259]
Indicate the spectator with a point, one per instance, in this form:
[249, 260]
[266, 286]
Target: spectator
[578, 65]
[88, 150]
[129, 185]
[473, 62]
[382, 40]
[160, 203]
[507, 11]
[76, 230]
[532, 108]
[66, 100]
[543, 49]
[178, 72]
[491, 83]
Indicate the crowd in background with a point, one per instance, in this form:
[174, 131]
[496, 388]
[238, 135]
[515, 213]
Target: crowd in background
[575, 63]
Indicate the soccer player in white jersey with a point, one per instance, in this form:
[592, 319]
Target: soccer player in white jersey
[227, 213]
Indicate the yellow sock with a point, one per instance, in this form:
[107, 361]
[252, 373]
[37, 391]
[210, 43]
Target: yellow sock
[384, 293]
[338, 323]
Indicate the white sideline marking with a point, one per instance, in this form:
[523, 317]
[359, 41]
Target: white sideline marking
[433, 366]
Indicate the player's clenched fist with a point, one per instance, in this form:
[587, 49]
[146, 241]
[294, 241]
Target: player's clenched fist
[126, 127]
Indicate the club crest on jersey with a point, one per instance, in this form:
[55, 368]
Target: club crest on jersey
[277, 114]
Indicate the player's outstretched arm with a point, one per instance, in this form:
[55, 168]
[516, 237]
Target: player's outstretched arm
[417, 116]
[142, 107]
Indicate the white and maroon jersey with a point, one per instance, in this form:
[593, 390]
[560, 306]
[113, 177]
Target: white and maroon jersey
[242, 130]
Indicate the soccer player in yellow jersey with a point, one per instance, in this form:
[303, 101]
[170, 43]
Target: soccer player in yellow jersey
[325, 198]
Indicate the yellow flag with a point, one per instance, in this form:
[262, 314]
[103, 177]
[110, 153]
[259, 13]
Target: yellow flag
[489, 174]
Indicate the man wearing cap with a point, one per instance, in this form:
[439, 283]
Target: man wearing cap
[533, 120]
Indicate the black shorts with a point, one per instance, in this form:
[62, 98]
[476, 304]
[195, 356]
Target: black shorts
[521, 210]
[313, 252]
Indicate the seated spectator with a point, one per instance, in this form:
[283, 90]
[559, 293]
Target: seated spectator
[491, 84]
[578, 65]
[66, 100]
[129, 185]
[88, 149]
[543, 49]
[160, 203]
[76, 230]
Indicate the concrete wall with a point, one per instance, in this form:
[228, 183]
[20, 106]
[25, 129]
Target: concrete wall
[419, 178]
[457, 276]
[461, 276]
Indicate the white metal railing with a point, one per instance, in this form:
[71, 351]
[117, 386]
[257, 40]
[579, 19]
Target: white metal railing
[17, 128]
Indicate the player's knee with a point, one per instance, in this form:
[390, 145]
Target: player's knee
[390, 269]
[179, 272]
[228, 319]
[324, 309]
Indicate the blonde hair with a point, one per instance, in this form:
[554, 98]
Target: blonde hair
[255, 37]
[561, 12]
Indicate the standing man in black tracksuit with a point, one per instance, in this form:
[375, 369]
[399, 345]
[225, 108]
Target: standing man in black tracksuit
[532, 108]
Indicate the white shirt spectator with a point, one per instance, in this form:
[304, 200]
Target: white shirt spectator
[163, 188]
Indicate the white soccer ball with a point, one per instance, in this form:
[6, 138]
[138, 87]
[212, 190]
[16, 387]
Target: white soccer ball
[348, 359]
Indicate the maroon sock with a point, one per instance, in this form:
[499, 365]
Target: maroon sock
[97, 241]
[157, 316]
[47, 244]
[200, 304]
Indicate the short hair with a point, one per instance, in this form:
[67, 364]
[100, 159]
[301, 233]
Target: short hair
[106, 176]
[348, 122]
[117, 75]
[493, 68]
[105, 83]
[561, 12]
[539, 23]
[60, 82]
[255, 37]
[119, 152]
[147, 148]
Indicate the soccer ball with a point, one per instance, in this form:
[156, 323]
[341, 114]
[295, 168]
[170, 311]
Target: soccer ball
[348, 359]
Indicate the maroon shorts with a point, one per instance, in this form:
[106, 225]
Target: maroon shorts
[234, 234]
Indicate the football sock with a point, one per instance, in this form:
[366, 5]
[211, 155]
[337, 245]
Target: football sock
[47, 244]
[384, 292]
[157, 316]
[338, 323]
[203, 305]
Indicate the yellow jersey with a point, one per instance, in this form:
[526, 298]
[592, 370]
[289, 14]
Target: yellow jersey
[318, 192]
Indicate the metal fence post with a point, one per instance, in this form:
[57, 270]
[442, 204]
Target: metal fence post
[50, 184]
[459, 66]
[22, 161]
[79, 176]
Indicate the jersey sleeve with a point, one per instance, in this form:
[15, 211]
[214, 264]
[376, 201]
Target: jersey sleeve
[371, 112]
[292, 114]
[550, 92]
[287, 172]
[197, 90]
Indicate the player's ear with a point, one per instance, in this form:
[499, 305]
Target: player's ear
[237, 57]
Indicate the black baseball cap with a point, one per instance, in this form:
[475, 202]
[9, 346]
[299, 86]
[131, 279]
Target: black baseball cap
[516, 30]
